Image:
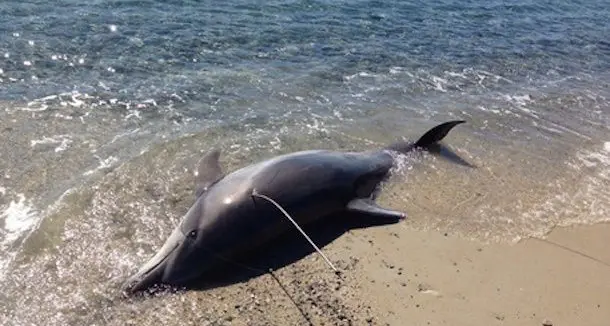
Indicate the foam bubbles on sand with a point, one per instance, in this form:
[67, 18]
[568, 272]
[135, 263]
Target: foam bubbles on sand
[64, 142]
[72, 99]
[599, 159]
[585, 198]
[104, 164]
[18, 217]
[593, 195]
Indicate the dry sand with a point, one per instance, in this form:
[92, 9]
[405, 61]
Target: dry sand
[563, 280]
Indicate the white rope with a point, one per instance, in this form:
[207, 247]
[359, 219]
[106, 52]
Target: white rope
[255, 193]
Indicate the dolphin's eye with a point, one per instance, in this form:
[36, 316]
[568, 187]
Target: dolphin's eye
[192, 234]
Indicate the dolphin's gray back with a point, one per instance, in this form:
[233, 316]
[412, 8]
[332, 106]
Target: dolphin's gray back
[307, 173]
[308, 185]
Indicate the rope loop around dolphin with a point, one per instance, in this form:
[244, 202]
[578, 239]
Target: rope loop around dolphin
[256, 194]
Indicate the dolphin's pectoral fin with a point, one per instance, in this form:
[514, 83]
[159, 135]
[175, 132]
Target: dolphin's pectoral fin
[208, 171]
[368, 206]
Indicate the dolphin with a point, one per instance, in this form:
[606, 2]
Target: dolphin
[229, 219]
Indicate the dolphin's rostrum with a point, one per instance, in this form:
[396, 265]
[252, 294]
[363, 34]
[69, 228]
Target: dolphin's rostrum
[227, 220]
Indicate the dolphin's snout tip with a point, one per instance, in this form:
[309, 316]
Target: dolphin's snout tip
[126, 293]
[152, 272]
[136, 286]
[129, 287]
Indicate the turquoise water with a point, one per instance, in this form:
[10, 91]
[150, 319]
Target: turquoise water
[105, 106]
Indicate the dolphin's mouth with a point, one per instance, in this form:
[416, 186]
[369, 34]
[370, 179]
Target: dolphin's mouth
[152, 272]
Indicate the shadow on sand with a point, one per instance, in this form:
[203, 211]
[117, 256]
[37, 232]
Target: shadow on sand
[289, 248]
[448, 154]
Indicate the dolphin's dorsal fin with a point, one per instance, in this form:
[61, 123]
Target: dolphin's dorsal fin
[428, 141]
[208, 171]
[369, 207]
[437, 133]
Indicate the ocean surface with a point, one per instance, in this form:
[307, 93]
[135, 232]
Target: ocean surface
[106, 106]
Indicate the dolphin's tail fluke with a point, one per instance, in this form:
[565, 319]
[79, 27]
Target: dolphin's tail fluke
[428, 140]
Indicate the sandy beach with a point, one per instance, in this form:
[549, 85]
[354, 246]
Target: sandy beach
[393, 275]
[562, 280]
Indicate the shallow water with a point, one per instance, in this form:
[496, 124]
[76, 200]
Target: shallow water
[106, 106]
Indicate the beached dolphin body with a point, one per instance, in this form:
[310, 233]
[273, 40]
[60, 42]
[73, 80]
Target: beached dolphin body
[228, 218]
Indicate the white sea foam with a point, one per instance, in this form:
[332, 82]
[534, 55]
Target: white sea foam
[439, 83]
[396, 70]
[74, 99]
[63, 116]
[63, 140]
[21, 219]
[400, 70]
[18, 217]
[547, 128]
[456, 74]
[133, 113]
[521, 100]
[146, 103]
[117, 137]
[338, 114]
[600, 159]
[104, 164]
[593, 193]
[586, 199]
[496, 111]
[41, 107]
[276, 143]
[482, 74]
[566, 129]
[362, 74]
[402, 162]
[316, 126]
